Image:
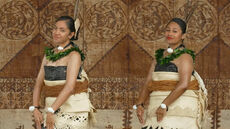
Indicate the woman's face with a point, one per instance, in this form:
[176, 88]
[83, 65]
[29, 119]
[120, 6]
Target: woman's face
[173, 34]
[61, 33]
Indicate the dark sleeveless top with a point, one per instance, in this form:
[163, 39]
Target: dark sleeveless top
[169, 67]
[53, 73]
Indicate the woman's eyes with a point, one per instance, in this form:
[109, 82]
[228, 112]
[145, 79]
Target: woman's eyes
[62, 30]
[174, 31]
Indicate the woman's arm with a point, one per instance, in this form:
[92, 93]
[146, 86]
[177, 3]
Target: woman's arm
[38, 84]
[73, 67]
[37, 94]
[144, 93]
[185, 68]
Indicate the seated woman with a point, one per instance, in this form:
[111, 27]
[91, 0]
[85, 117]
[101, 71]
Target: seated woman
[63, 81]
[178, 98]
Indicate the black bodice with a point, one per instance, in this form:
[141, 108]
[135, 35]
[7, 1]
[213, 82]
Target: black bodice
[53, 73]
[169, 67]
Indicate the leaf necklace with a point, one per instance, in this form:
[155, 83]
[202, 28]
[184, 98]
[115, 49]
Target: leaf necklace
[51, 56]
[175, 54]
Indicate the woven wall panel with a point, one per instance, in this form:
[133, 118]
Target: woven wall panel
[16, 93]
[202, 25]
[18, 23]
[206, 62]
[106, 24]
[27, 62]
[224, 60]
[225, 24]
[115, 80]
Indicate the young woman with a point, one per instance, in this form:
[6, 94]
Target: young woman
[177, 93]
[63, 82]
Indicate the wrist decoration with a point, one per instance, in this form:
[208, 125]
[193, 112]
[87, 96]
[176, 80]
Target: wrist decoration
[32, 108]
[50, 109]
[135, 106]
[164, 106]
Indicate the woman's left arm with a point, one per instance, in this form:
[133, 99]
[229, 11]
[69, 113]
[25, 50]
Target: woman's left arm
[185, 68]
[73, 67]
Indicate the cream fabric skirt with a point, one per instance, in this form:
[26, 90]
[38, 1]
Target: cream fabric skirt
[187, 112]
[76, 113]
[78, 120]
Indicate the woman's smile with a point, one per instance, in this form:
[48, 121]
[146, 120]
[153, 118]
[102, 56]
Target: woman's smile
[169, 38]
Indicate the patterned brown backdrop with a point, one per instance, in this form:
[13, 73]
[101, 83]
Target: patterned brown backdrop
[119, 38]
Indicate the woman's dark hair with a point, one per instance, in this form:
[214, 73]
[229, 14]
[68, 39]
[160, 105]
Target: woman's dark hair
[70, 24]
[181, 23]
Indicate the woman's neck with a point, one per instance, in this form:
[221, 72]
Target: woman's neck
[64, 44]
[174, 46]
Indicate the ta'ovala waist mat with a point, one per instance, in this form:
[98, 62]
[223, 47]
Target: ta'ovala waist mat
[169, 85]
[53, 91]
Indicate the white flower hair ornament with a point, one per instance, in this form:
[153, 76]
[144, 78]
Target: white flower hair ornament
[77, 26]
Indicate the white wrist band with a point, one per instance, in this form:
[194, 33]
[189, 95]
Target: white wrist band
[50, 109]
[135, 107]
[163, 106]
[32, 108]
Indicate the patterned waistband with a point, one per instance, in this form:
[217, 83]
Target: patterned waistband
[53, 91]
[168, 85]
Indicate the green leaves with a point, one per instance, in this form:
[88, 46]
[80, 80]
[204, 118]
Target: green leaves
[159, 54]
[177, 52]
[50, 55]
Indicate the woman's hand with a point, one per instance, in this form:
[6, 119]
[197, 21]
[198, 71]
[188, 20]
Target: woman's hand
[38, 118]
[140, 113]
[50, 121]
[160, 112]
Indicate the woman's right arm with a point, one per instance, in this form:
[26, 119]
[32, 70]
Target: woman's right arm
[38, 84]
[37, 94]
[144, 93]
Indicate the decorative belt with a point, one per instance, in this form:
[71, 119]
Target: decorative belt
[53, 91]
[169, 85]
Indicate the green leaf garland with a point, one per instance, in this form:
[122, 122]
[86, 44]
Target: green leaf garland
[177, 52]
[50, 55]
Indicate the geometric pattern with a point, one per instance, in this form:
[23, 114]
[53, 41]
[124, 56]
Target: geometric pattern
[225, 24]
[149, 25]
[115, 81]
[16, 93]
[50, 13]
[202, 24]
[18, 20]
[106, 20]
